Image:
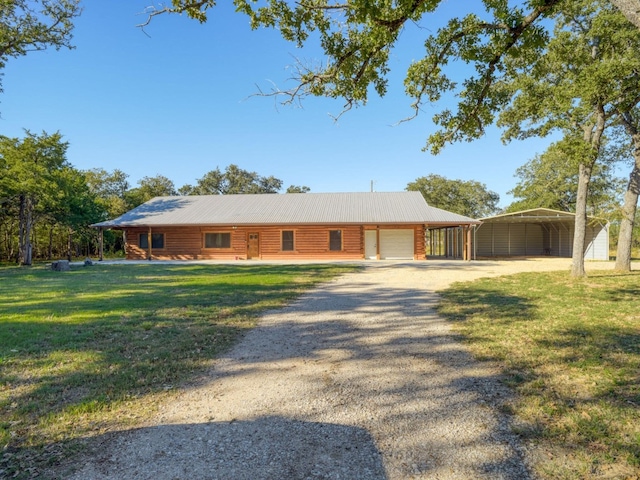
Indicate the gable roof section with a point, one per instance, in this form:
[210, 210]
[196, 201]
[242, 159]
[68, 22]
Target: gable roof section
[287, 209]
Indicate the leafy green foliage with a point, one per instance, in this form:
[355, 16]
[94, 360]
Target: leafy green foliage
[110, 188]
[28, 25]
[150, 187]
[39, 187]
[469, 198]
[358, 38]
[550, 180]
[233, 180]
[298, 189]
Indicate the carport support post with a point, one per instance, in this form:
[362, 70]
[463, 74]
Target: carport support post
[468, 243]
[377, 243]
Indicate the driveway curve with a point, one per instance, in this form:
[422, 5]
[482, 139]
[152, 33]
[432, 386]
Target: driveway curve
[358, 379]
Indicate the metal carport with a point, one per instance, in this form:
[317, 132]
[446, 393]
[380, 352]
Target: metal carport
[538, 232]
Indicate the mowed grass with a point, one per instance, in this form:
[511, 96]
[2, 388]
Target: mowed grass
[571, 350]
[96, 349]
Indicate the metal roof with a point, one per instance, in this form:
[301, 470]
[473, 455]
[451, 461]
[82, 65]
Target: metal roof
[287, 209]
[536, 215]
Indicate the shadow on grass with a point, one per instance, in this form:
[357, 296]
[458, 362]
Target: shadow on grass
[462, 304]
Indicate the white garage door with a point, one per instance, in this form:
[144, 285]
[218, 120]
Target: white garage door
[396, 244]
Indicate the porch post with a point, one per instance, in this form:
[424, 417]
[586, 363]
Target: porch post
[149, 251]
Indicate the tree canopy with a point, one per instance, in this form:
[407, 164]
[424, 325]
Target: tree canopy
[28, 25]
[38, 185]
[550, 180]
[469, 198]
[232, 181]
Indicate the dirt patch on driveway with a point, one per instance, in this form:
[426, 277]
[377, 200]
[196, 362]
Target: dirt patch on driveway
[358, 379]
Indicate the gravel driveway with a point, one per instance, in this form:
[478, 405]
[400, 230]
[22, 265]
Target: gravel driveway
[358, 379]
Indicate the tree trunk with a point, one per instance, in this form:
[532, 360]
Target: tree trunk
[625, 237]
[21, 222]
[580, 229]
[50, 250]
[630, 9]
[28, 227]
[69, 245]
[592, 136]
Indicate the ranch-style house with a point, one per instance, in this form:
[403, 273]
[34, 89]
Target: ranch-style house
[299, 226]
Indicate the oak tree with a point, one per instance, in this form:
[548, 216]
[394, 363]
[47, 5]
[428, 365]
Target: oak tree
[550, 180]
[233, 180]
[469, 198]
[30, 25]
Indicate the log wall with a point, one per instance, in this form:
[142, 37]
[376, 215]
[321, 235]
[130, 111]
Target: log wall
[311, 242]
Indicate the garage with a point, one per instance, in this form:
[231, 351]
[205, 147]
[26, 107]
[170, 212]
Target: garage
[396, 244]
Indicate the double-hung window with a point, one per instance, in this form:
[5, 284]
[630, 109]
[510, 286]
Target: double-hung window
[335, 240]
[287, 240]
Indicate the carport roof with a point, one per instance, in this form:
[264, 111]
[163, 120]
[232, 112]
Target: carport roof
[536, 215]
[287, 209]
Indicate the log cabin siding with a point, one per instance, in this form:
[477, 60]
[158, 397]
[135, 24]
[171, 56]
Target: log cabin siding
[311, 242]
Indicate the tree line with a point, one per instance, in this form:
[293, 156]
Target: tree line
[47, 205]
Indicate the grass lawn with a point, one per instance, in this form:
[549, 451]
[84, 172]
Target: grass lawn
[96, 349]
[571, 350]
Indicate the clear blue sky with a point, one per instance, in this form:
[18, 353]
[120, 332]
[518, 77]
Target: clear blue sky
[179, 103]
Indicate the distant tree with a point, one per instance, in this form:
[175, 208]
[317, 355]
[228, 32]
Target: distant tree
[233, 180]
[469, 198]
[298, 189]
[186, 189]
[150, 187]
[110, 188]
[28, 25]
[74, 207]
[550, 180]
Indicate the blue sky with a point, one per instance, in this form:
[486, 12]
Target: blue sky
[179, 103]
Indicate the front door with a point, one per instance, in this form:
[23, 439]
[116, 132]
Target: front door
[370, 244]
[253, 246]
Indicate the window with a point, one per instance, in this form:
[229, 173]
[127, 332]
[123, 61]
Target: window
[287, 240]
[217, 240]
[157, 240]
[335, 240]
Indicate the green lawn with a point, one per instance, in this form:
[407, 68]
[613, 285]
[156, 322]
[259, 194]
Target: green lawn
[571, 350]
[95, 349]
